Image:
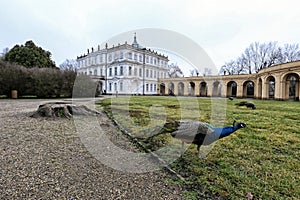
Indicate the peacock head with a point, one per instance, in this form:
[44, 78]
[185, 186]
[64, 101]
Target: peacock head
[241, 125]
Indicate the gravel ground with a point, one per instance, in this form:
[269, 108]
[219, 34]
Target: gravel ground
[45, 159]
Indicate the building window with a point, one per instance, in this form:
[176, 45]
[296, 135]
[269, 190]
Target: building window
[101, 72]
[129, 71]
[147, 59]
[95, 72]
[147, 87]
[98, 59]
[154, 88]
[140, 58]
[116, 71]
[151, 60]
[130, 55]
[90, 73]
[121, 71]
[110, 87]
[135, 56]
[154, 74]
[110, 72]
[147, 73]
[109, 57]
[151, 87]
[121, 55]
[135, 71]
[115, 87]
[140, 72]
[151, 73]
[121, 86]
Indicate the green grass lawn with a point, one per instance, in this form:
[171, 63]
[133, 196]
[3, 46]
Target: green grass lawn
[263, 159]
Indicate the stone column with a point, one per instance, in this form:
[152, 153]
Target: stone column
[166, 88]
[223, 89]
[278, 89]
[197, 89]
[209, 86]
[186, 89]
[239, 90]
[265, 90]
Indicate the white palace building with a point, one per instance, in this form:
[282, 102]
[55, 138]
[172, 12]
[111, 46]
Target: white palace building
[125, 68]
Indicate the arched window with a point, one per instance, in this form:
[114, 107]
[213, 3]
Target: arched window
[130, 55]
[121, 71]
[129, 71]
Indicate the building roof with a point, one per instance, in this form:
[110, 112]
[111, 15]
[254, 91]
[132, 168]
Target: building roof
[134, 45]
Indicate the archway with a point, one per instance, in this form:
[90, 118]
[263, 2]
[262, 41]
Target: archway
[191, 91]
[171, 89]
[270, 87]
[203, 89]
[231, 89]
[248, 89]
[162, 89]
[291, 86]
[180, 89]
[216, 89]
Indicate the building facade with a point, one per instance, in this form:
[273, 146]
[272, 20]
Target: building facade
[125, 69]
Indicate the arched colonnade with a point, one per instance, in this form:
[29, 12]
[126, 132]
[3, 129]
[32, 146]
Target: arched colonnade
[280, 82]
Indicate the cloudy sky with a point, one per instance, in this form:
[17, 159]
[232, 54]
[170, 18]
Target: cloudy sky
[222, 28]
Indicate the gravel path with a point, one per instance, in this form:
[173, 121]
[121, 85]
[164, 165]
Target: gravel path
[45, 159]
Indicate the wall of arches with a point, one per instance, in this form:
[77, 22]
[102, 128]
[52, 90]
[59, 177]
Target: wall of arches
[280, 82]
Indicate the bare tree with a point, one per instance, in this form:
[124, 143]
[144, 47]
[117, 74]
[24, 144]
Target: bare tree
[5, 50]
[261, 55]
[207, 71]
[237, 66]
[246, 56]
[228, 68]
[174, 71]
[241, 65]
[274, 55]
[290, 52]
[70, 65]
[194, 72]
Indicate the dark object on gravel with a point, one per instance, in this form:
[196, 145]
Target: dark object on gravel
[62, 109]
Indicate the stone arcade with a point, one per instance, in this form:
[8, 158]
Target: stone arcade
[280, 82]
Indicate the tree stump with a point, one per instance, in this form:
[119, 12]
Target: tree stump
[62, 109]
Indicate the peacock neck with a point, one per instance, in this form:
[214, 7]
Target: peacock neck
[228, 130]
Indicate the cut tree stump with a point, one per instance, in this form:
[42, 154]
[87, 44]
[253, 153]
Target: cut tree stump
[62, 109]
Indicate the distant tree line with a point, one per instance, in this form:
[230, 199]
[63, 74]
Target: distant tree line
[261, 55]
[40, 82]
[30, 70]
